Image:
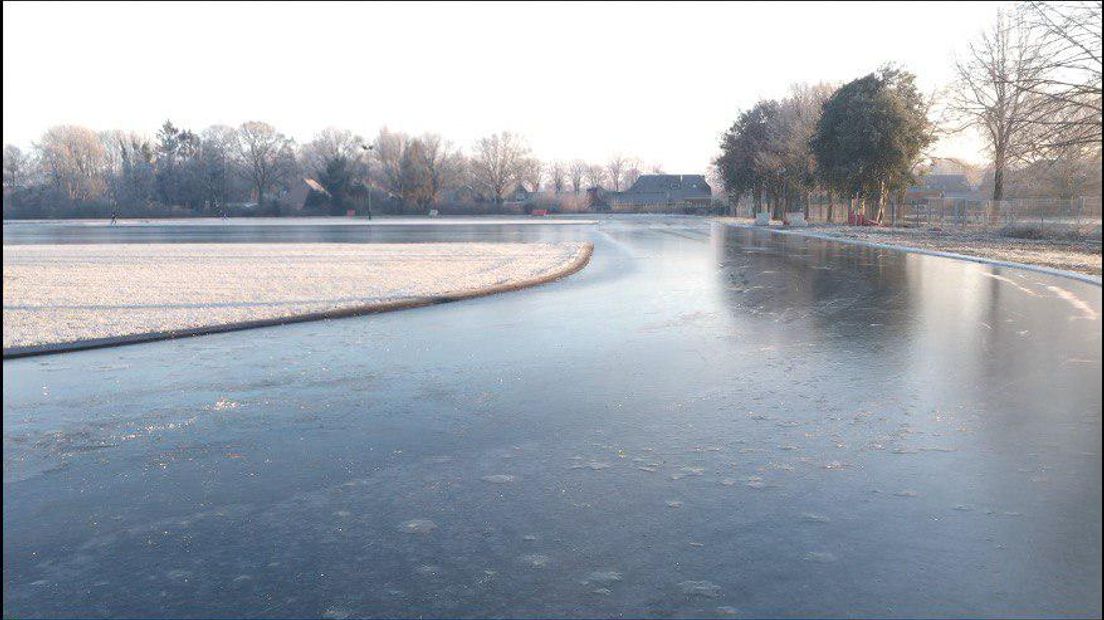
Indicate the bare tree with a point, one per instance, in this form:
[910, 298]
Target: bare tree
[595, 176]
[1068, 174]
[417, 186]
[443, 164]
[715, 178]
[577, 172]
[532, 171]
[1068, 79]
[74, 158]
[389, 150]
[217, 146]
[130, 168]
[557, 175]
[616, 168]
[262, 154]
[798, 116]
[331, 144]
[632, 172]
[986, 94]
[497, 163]
[17, 166]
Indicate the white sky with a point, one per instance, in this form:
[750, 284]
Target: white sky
[656, 81]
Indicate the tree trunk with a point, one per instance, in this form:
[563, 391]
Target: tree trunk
[831, 205]
[998, 177]
[879, 215]
[998, 183]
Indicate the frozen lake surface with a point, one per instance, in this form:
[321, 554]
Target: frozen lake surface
[706, 421]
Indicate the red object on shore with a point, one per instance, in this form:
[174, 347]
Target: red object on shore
[540, 212]
[350, 213]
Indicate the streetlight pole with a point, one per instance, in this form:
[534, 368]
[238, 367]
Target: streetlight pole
[368, 149]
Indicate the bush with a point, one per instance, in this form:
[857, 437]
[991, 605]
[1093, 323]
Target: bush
[1063, 232]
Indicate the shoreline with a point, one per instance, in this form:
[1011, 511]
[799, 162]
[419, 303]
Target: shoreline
[813, 233]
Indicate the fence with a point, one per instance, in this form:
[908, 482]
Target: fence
[963, 213]
[959, 213]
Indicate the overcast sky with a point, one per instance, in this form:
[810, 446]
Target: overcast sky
[655, 81]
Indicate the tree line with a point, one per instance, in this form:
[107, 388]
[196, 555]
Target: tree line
[74, 171]
[1030, 85]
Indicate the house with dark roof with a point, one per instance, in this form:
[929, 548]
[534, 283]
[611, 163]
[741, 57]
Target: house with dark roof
[520, 194]
[941, 186]
[661, 191]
